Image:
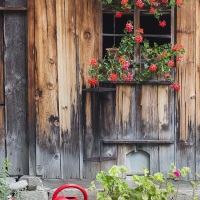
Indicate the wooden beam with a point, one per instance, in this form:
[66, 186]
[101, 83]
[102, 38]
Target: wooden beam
[138, 141]
[13, 8]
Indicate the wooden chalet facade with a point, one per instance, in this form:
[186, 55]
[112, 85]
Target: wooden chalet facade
[50, 126]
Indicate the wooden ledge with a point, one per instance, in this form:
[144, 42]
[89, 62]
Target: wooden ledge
[99, 89]
[138, 141]
[13, 8]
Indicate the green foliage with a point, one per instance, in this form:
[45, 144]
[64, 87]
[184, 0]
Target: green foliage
[147, 187]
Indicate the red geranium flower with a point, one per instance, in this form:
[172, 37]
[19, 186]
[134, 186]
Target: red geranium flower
[152, 68]
[128, 77]
[171, 63]
[92, 81]
[113, 77]
[176, 86]
[152, 10]
[139, 38]
[164, 1]
[140, 30]
[124, 2]
[162, 23]
[118, 14]
[151, 1]
[129, 27]
[179, 2]
[93, 62]
[126, 65]
[139, 3]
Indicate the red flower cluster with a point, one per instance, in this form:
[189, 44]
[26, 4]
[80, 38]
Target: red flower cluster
[162, 23]
[140, 31]
[176, 86]
[152, 10]
[92, 81]
[139, 38]
[164, 1]
[171, 63]
[177, 47]
[152, 68]
[129, 27]
[179, 2]
[126, 65]
[118, 14]
[124, 2]
[139, 3]
[113, 77]
[93, 62]
[151, 1]
[167, 76]
[128, 77]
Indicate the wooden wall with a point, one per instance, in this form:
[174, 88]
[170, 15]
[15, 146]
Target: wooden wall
[13, 86]
[65, 132]
[63, 37]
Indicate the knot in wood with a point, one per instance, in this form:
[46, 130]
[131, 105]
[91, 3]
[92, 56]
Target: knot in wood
[56, 123]
[50, 85]
[51, 61]
[87, 34]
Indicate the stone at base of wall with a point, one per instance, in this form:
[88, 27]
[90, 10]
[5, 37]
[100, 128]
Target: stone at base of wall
[36, 195]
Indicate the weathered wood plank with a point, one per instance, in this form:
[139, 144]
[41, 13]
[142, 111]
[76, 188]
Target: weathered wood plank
[125, 120]
[15, 91]
[166, 111]
[15, 3]
[31, 88]
[1, 57]
[47, 147]
[87, 23]
[2, 131]
[12, 8]
[68, 95]
[197, 87]
[108, 127]
[2, 136]
[185, 102]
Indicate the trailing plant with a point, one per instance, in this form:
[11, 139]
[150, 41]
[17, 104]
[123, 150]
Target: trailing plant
[146, 187]
[154, 6]
[156, 60]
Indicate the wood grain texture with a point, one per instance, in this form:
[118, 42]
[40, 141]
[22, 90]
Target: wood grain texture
[1, 59]
[186, 97]
[166, 117]
[87, 23]
[48, 137]
[68, 87]
[15, 91]
[31, 88]
[197, 56]
[2, 136]
[15, 3]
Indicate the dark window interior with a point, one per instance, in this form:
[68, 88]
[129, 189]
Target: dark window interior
[113, 28]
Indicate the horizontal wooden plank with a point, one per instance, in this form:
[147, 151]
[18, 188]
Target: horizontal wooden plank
[138, 141]
[150, 82]
[99, 89]
[13, 8]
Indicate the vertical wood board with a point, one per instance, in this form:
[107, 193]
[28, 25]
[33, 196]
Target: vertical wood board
[1, 58]
[31, 88]
[185, 102]
[16, 91]
[16, 3]
[2, 136]
[87, 24]
[68, 87]
[197, 58]
[47, 147]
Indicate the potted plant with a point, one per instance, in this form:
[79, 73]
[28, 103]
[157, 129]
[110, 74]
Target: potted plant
[156, 60]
